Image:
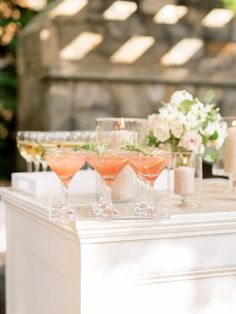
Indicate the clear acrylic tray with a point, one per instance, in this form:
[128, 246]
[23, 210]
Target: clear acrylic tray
[86, 210]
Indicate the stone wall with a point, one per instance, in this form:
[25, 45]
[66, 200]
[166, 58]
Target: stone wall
[77, 105]
[57, 94]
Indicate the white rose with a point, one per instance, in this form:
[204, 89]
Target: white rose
[181, 117]
[161, 130]
[176, 128]
[180, 96]
[168, 112]
[191, 141]
[192, 121]
[198, 110]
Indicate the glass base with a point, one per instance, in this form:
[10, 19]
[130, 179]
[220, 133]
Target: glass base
[185, 203]
[102, 209]
[64, 211]
[142, 208]
[91, 211]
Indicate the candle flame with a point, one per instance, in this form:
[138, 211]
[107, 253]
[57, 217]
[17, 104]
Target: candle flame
[122, 123]
[185, 161]
[234, 123]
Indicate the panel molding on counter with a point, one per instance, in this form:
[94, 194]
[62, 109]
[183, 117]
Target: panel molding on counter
[212, 222]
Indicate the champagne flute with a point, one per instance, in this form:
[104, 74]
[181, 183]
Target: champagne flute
[36, 138]
[24, 147]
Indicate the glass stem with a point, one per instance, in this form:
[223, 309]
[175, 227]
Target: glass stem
[29, 167]
[111, 211]
[44, 166]
[65, 194]
[150, 196]
[140, 190]
[108, 197]
[36, 165]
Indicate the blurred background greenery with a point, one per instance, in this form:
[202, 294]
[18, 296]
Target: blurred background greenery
[14, 15]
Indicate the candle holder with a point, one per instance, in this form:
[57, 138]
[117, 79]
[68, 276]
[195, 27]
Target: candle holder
[225, 165]
[114, 132]
[186, 178]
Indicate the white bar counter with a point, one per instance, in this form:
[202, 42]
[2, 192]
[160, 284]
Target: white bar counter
[185, 265]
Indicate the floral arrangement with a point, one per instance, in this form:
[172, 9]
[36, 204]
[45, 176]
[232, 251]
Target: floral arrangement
[186, 124]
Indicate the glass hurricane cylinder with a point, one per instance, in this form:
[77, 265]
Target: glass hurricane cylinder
[114, 132]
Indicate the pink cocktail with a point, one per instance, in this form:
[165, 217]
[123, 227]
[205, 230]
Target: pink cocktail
[108, 165]
[65, 163]
[148, 165]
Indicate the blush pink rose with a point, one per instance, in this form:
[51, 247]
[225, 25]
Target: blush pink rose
[191, 141]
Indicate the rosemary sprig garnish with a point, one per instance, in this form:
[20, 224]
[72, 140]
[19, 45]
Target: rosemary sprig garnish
[100, 149]
[91, 146]
[133, 148]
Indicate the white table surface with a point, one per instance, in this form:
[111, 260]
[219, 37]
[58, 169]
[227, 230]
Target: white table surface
[183, 265]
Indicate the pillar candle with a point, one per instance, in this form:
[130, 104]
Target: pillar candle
[230, 151]
[125, 180]
[184, 180]
[120, 137]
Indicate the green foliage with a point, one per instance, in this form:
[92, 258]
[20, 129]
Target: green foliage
[230, 4]
[152, 141]
[210, 94]
[214, 136]
[204, 140]
[13, 17]
[185, 105]
[211, 156]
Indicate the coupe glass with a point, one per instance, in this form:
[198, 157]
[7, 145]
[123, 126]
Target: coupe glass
[24, 147]
[50, 139]
[186, 169]
[108, 164]
[53, 139]
[65, 162]
[148, 165]
[226, 162]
